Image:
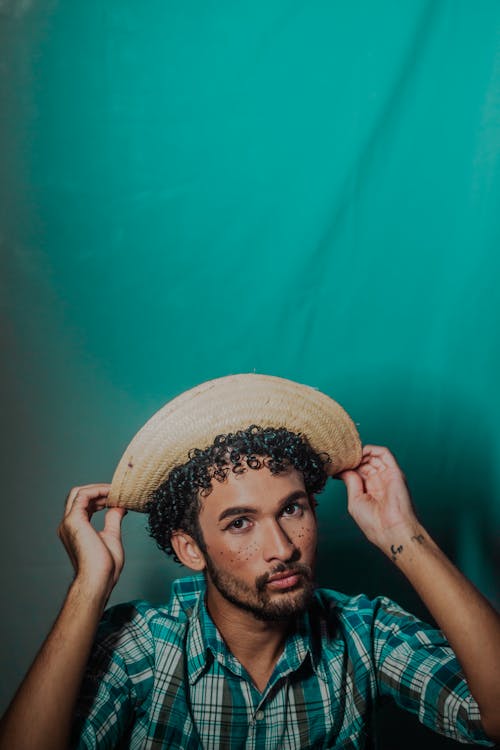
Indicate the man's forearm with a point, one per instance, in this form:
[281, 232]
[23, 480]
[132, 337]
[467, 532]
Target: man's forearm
[41, 712]
[468, 621]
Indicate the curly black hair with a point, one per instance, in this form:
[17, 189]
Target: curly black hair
[176, 503]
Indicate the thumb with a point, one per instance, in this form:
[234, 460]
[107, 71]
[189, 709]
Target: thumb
[113, 520]
[353, 482]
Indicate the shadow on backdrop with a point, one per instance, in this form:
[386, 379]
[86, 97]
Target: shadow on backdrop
[447, 459]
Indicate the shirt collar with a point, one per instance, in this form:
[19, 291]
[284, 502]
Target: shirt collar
[204, 642]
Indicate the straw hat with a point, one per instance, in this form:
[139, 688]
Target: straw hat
[196, 417]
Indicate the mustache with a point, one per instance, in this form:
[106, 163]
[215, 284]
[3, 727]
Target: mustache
[294, 569]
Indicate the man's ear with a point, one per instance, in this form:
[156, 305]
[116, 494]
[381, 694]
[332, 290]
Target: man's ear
[187, 550]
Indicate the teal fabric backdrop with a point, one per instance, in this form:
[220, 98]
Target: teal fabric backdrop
[190, 189]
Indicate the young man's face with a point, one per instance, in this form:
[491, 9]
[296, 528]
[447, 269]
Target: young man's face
[260, 535]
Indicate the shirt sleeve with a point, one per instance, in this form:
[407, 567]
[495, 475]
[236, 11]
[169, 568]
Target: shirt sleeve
[104, 703]
[416, 666]
[116, 682]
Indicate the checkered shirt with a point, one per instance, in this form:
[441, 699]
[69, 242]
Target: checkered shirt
[162, 677]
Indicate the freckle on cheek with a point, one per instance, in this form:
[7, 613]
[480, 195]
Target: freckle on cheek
[247, 551]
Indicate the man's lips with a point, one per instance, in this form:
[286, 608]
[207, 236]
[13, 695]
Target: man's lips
[284, 580]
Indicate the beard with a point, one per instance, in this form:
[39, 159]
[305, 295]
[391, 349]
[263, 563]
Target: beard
[284, 604]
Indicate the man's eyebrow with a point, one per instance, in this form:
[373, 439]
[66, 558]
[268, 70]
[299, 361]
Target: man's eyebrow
[247, 510]
[236, 511]
[296, 495]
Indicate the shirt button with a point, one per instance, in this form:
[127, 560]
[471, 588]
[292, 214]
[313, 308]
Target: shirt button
[259, 715]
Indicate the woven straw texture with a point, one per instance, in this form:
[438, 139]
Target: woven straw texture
[196, 417]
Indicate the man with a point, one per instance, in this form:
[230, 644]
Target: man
[248, 654]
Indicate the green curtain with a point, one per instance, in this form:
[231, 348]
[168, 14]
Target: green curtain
[190, 189]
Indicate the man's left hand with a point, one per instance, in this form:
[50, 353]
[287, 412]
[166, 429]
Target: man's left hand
[378, 498]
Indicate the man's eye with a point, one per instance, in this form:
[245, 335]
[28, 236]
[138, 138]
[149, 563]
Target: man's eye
[239, 524]
[293, 509]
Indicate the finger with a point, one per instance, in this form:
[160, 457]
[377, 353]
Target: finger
[113, 520]
[86, 493]
[372, 465]
[70, 498]
[367, 470]
[84, 490]
[375, 450]
[379, 452]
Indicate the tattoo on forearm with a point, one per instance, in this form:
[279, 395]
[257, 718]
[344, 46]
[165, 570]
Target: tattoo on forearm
[396, 551]
[419, 538]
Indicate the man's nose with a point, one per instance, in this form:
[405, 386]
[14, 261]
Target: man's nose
[277, 544]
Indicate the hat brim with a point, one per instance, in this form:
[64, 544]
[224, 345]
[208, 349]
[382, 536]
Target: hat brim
[197, 416]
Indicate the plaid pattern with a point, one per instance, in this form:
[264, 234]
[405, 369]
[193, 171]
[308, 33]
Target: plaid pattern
[161, 677]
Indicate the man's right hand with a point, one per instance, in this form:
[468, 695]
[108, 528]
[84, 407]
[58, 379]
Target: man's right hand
[97, 556]
[41, 712]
